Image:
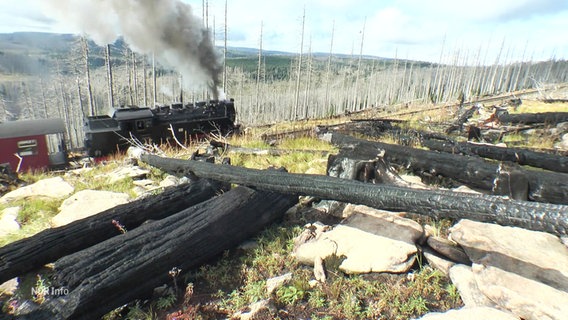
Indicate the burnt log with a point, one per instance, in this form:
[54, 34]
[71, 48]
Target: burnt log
[532, 118]
[511, 181]
[345, 165]
[121, 269]
[32, 253]
[462, 118]
[542, 160]
[433, 203]
[554, 100]
[475, 172]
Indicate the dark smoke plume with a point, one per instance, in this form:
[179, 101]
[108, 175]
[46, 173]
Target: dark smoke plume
[166, 28]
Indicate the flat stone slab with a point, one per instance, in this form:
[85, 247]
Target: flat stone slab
[169, 181]
[364, 245]
[448, 249]
[464, 280]
[525, 298]
[535, 255]
[478, 313]
[134, 172]
[438, 262]
[383, 223]
[54, 187]
[8, 221]
[87, 203]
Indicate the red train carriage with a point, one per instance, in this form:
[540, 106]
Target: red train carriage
[33, 144]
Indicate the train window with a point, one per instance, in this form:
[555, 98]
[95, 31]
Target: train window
[140, 125]
[27, 147]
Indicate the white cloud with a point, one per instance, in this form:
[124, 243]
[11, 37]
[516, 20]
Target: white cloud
[411, 28]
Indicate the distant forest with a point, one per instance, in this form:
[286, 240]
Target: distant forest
[49, 75]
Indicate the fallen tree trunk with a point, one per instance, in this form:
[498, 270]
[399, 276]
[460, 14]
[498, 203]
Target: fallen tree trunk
[31, 253]
[130, 266]
[345, 165]
[432, 203]
[475, 172]
[521, 156]
[462, 118]
[378, 129]
[530, 118]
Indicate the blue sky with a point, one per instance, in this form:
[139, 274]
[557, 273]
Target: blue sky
[413, 29]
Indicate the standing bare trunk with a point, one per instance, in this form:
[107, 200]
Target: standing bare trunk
[129, 76]
[144, 78]
[299, 72]
[64, 111]
[154, 79]
[308, 84]
[356, 103]
[92, 110]
[109, 75]
[225, 53]
[328, 74]
[43, 99]
[134, 72]
[258, 73]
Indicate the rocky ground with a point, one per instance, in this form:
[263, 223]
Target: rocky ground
[500, 272]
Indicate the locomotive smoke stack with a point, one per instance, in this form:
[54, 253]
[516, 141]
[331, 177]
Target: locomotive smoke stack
[166, 28]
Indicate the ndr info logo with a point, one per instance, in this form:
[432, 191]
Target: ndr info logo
[49, 291]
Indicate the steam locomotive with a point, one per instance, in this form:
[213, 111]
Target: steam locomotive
[107, 134]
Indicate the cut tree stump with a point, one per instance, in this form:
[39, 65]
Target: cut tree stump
[475, 172]
[542, 160]
[434, 203]
[32, 253]
[127, 267]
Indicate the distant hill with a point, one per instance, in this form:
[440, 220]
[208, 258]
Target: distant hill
[32, 53]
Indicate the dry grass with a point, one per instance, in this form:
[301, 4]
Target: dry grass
[238, 278]
[537, 106]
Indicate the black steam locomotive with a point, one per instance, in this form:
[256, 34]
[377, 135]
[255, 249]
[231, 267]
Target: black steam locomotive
[110, 133]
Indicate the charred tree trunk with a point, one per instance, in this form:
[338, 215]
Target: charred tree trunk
[458, 125]
[346, 166]
[131, 265]
[521, 156]
[531, 118]
[474, 172]
[427, 202]
[31, 253]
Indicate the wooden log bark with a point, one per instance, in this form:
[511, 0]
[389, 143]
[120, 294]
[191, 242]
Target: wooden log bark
[531, 118]
[130, 266]
[475, 172]
[542, 160]
[378, 129]
[376, 170]
[31, 253]
[462, 118]
[432, 203]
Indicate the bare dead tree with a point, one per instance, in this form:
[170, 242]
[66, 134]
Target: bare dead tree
[328, 73]
[299, 71]
[88, 75]
[258, 71]
[225, 89]
[109, 78]
[135, 78]
[358, 74]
